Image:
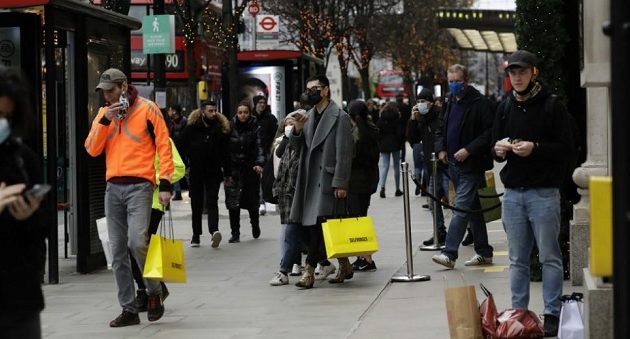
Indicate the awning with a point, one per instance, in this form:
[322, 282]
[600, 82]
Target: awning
[479, 29]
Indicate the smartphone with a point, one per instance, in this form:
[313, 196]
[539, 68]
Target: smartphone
[38, 190]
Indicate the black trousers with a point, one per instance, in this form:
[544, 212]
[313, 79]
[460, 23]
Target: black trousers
[235, 219]
[358, 204]
[314, 237]
[204, 185]
[20, 325]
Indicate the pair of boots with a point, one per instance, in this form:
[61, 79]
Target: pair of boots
[308, 277]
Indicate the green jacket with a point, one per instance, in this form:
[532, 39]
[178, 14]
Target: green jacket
[180, 170]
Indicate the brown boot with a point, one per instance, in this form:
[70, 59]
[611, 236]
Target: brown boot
[308, 278]
[345, 271]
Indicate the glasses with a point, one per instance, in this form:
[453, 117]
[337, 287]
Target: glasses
[314, 88]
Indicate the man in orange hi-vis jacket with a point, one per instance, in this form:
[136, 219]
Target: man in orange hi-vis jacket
[130, 130]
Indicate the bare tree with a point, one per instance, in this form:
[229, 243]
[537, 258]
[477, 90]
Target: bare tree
[189, 13]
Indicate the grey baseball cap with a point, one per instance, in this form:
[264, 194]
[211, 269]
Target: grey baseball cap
[110, 78]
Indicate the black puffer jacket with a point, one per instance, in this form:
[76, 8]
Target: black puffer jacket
[424, 130]
[268, 126]
[245, 153]
[205, 144]
[22, 244]
[364, 175]
[390, 134]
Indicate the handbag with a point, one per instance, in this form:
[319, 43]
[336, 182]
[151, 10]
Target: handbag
[462, 312]
[350, 236]
[512, 323]
[571, 324]
[165, 257]
[488, 311]
[488, 197]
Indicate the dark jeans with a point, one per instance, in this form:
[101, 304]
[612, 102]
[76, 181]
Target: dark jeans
[20, 325]
[156, 217]
[290, 247]
[235, 219]
[358, 204]
[201, 184]
[466, 186]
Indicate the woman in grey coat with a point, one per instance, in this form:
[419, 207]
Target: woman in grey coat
[324, 136]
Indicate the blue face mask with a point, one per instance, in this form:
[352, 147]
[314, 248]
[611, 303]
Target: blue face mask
[456, 88]
[423, 108]
[5, 130]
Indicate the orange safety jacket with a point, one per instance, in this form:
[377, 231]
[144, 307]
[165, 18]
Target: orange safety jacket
[129, 145]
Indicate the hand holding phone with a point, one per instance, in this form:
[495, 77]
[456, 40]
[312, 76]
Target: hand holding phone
[37, 190]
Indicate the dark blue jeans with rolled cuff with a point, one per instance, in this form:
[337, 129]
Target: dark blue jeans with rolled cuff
[466, 198]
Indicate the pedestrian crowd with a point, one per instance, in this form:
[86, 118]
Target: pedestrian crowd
[316, 163]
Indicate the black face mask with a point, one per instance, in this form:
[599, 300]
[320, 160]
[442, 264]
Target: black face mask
[314, 97]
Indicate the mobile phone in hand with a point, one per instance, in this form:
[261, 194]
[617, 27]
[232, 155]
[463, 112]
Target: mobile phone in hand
[38, 190]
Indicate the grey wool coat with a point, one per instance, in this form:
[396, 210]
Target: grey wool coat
[325, 163]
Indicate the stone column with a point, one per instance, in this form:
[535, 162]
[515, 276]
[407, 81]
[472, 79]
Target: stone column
[595, 77]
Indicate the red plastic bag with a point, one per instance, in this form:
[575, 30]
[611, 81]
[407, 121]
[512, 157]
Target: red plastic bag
[513, 323]
[488, 311]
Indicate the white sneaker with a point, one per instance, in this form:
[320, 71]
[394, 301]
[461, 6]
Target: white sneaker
[326, 271]
[296, 271]
[279, 279]
[262, 209]
[478, 260]
[443, 260]
[216, 239]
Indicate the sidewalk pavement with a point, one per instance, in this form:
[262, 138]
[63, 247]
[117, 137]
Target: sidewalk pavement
[228, 294]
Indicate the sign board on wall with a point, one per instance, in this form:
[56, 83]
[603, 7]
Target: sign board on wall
[158, 34]
[10, 47]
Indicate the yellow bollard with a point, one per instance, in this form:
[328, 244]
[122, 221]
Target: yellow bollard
[600, 190]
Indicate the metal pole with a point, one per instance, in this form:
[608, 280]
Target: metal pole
[436, 245]
[410, 277]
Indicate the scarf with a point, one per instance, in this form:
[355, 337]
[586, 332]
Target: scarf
[535, 89]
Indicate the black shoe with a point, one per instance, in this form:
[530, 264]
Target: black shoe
[165, 292]
[125, 319]
[194, 242]
[178, 196]
[358, 263]
[417, 192]
[469, 239]
[441, 239]
[368, 267]
[155, 310]
[256, 231]
[234, 239]
[382, 192]
[551, 325]
[398, 193]
[425, 206]
[141, 300]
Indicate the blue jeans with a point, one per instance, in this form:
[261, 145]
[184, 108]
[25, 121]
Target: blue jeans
[440, 193]
[533, 214]
[290, 247]
[466, 186]
[418, 164]
[385, 167]
[177, 188]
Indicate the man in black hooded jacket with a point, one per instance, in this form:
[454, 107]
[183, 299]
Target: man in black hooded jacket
[268, 125]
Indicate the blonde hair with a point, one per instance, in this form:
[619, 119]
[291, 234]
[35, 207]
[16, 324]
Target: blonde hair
[459, 68]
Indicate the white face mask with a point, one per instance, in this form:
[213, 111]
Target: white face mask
[287, 130]
[5, 130]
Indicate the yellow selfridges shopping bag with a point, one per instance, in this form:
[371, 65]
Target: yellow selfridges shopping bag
[349, 237]
[165, 258]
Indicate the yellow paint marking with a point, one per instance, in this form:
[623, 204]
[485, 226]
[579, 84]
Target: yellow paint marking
[503, 253]
[495, 269]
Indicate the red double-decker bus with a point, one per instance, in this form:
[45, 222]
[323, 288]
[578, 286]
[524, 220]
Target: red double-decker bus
[390, 83]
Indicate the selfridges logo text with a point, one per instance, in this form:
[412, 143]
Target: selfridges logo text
[358, 239]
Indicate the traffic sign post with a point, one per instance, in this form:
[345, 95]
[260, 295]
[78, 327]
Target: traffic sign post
[268, 30]
[254, 8]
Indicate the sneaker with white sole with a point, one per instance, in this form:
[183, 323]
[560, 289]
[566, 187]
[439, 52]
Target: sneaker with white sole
[297, 270]
[279, 279]
[216, 239]
[262, 209]
[443, 260]
[194, 242]
[478, 260]
[318, 269]
[326, 271]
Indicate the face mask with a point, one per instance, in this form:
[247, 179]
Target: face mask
[124, 105]
[423, 108]
[5, 130]
[287, 130]
[314, 97]
[456, 88]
